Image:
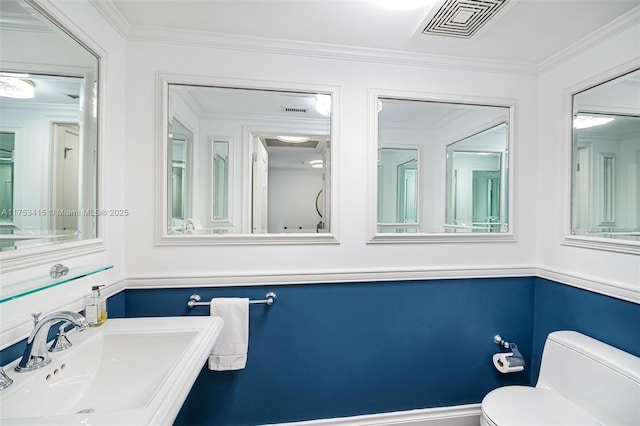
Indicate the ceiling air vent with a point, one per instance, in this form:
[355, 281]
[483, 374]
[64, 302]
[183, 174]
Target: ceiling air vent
[294, 109]
[461, 18]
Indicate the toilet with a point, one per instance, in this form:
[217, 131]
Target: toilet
[582, 382]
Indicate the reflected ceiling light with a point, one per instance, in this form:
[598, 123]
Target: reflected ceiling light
[18, 88]
[585, 121]
[323, 104]
[316, 164]
[404, 4]
[293, 139]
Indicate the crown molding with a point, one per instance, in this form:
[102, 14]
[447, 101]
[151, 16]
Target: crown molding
[19, 22]
[323, 50]
[112, 14]
[610, 30]
[355, 53]
[296, 48]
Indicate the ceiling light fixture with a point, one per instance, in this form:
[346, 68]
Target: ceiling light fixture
[18, 88]
[323, 104]
[585, 121]
[293, 139]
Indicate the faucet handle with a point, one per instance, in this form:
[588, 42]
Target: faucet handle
[61, 341]
[36, 317]
[5, 381]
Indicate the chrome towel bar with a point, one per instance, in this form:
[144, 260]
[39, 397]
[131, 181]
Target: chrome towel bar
[195, 300]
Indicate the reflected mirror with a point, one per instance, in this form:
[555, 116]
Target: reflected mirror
[258, 161]
[606, 160]
[476, 170]
[180, 146]
[48, 132]
[398, 189]
[442, 167]
[220, 180]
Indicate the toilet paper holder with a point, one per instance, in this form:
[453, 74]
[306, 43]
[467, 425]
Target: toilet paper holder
[514, 360]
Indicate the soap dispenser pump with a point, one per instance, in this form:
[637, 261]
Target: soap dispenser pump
[96, 310]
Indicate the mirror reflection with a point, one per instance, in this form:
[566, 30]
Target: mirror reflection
[258, 161]
[220, 180]
[48, 132]
[442, 167]
[398, 190]
[606, 160]
[476, 170]
[180, 142]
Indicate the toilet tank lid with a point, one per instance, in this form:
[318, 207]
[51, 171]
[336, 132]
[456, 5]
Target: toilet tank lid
[614, 358]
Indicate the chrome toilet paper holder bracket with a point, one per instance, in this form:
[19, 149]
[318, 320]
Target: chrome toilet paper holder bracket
[514, 360]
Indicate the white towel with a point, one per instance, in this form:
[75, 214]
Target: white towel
[230, 352]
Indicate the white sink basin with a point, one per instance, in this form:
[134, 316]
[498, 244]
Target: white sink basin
[128, 371]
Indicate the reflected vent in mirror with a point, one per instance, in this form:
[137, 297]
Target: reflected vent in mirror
[460, 18]
[271, 142]
[294, 110]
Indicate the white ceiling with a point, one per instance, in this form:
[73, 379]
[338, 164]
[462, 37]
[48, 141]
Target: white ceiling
[524, 31]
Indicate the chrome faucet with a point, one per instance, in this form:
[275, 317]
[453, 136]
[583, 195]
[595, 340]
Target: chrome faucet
[36, 354]
[188, 226]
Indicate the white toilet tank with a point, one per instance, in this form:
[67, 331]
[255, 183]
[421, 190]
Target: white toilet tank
[600, 379]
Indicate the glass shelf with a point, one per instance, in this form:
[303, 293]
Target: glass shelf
[12, 291]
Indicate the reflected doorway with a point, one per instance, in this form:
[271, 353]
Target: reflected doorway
[7, 150]
[66, 172]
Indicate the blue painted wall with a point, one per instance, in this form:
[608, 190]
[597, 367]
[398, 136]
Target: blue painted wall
[330, 350]
[562, 307]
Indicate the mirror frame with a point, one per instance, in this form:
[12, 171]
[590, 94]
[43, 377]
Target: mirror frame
[162, 116]
[29, 257]
[373, 236]
[606, 244]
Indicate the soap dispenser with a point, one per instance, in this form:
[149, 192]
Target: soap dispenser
[96, 310]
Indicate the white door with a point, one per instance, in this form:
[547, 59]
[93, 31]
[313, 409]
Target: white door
[67, 177]
[259, 175]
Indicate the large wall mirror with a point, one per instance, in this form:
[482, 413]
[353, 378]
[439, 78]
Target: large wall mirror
[245, 164]
[442, 169]
[606, 161]
[48, 135]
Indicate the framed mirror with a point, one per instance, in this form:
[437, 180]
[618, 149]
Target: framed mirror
[605, 176]
[441, 168]
[258, 158]
[49, 83]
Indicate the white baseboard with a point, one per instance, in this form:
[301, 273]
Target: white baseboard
[459, 415]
